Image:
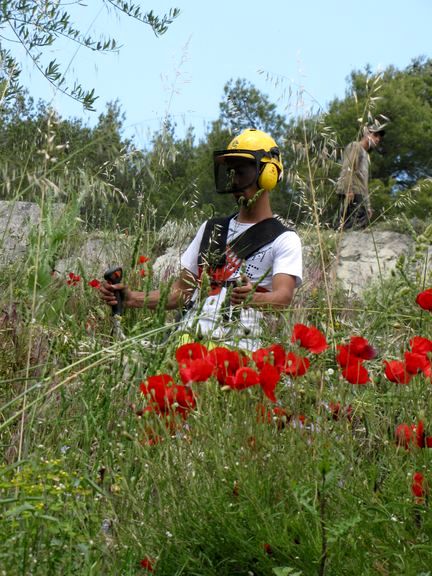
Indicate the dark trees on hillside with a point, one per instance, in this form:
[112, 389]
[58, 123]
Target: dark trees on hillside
[174, 177]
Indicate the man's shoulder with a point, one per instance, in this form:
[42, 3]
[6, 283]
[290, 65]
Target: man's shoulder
[353, 146]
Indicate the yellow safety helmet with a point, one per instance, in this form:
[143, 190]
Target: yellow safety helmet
[259, 148]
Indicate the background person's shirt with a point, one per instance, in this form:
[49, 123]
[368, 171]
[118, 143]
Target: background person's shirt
[354, 175]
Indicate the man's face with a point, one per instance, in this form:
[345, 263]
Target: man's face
[374, 139]
[242, 176]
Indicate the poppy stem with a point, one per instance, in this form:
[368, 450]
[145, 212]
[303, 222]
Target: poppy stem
[322, 512]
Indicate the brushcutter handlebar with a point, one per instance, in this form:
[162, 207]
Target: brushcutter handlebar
[114, 275]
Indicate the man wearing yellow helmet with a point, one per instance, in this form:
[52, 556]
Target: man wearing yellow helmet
[238, 266]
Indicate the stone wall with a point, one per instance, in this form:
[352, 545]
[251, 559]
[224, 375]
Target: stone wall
[359, 258]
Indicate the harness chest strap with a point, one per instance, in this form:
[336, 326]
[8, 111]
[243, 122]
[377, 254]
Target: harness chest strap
[223, 261]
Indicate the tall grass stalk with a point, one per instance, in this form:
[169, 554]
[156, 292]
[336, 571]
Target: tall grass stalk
[31, 327]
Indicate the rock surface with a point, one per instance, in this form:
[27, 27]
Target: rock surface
[16, 221]
[360, 257]
[363, 257]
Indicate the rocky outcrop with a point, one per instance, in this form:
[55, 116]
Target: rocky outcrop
[366, 256]
[16, 221]
[359, 258]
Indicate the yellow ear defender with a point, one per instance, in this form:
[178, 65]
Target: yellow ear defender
[268, 177]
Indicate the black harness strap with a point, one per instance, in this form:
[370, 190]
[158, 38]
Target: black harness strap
[214, 240]
[257, 236]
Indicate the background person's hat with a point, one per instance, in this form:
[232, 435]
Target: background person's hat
[376, 128]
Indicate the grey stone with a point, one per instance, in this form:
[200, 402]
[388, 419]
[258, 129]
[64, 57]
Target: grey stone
[16, 221]
[360, 257]
[363, 257]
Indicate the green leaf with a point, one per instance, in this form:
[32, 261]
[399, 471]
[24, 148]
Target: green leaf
[286, 571]
[18, 510]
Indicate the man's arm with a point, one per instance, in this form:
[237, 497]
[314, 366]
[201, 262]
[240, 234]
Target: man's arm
[180, 292]
[283, 286]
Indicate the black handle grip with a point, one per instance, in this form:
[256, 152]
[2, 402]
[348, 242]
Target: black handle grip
[114, 276]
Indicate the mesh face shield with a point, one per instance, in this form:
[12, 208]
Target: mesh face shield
[235, 170]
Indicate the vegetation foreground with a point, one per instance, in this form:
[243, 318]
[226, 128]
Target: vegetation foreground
[140, 456]
[135, 456]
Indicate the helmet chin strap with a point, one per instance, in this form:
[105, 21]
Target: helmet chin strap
[242, 201]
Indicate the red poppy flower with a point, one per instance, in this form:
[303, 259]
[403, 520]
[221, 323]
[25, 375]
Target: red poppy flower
[420, 345]
[310, 338]
[415, 363]
[191, 351]
[73, 279]
[147, 564]
[296, 365]
[181, 399]
[224, 357]
[166, 396]
[428, 441]
[155, 387]
[198, 370]
[142, 273]
[396, 371]
[278, 354]
[226, 362]
[269, 377]
[338, 411]
[418, 487]
[277, 414]
[143, 259]
[356, 351]
[260, 357]
[404, 435]
[274, 354]
[361, 348]
[345, 356]
[411, 434]
[356, 373]
[229, 380]
[268, 549]
[424, 299]
[245, 377]
[94, 283]
[301, 419]
[420, 434]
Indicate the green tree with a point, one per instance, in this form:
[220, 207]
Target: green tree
[405, 98]
[37, 147]
[243, 106]
[37, 25]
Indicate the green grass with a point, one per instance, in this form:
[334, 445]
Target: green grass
[88, 486]
[85, 489]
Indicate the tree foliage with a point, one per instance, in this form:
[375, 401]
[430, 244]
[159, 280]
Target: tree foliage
[405, 98]
[244, 106]
[173, 178]
[38, 24]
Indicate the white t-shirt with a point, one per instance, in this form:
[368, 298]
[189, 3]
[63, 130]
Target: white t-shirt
[216, 319]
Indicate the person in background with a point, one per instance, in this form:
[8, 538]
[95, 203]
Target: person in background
[353, 184]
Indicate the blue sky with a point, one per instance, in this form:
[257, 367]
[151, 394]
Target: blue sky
[298, 53]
